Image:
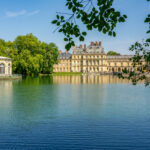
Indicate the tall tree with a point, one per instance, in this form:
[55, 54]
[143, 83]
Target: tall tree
[29, 55]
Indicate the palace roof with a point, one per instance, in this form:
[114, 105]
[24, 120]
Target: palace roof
[4, 58]
[119, 57]
[64, 56]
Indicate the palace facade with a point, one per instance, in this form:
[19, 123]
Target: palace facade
[5, 66]
[92, 59]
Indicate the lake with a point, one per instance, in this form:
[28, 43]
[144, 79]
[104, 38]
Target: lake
[74, 112]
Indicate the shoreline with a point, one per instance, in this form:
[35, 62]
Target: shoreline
[12, 77]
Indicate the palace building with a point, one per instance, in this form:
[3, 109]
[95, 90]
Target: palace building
[64, 64]
[5, 66]
[92, 59]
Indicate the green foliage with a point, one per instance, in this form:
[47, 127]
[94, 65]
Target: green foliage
[142, 54]
[140, 63]
[112, 53]
[102, 17]
[29, 55]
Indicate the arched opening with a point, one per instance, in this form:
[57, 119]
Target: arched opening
[119, 70]
[113, 70]
[94, 69]
[9, 69]
[2, 69]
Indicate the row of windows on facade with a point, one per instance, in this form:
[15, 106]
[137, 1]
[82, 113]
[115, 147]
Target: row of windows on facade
[62, 69]
[2, 68]
[97, 63]
[96, 69]
[78, 61]
[79, 57]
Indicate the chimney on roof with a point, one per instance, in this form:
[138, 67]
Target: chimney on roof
[92, 43]
[100, 43]
[66, 52]
[85, 46]
[80, 46]
[96, 43]
[60, 51]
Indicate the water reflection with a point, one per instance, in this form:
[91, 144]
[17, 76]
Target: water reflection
[27, 101]
[6, 89]
[104, 79]
[6, 94]
[80, 112]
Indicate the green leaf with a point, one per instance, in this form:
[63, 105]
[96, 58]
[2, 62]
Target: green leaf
[68, 46]
[84, 33]
[58, 23]
[114, 34]
[148, 31]
[70, 6]
[148, 40]
[65, 39]
[74, 9]
[81, 38]
[110, 33]
[54, 21]
[57, 16]
[62, 17]
[89, 27]
[125, 16]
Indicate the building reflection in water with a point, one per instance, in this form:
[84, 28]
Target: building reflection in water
[6, 96]
[6, 88]
[104, 79]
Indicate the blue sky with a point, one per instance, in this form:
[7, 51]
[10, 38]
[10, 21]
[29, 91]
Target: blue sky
[19, 17]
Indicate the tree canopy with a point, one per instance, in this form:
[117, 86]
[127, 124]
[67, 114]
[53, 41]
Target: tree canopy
[142, 53]
[29, 55]
[112, 53]
[100, 16]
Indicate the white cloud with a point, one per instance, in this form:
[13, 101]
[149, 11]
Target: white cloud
[15, 14]
[33, 13]
[21, 13]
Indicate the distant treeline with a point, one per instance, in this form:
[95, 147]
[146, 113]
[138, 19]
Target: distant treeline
[29, 55]
[113, 53]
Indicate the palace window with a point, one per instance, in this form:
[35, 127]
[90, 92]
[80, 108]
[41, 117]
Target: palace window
[8, 68]
[113, 69]
[2, 69]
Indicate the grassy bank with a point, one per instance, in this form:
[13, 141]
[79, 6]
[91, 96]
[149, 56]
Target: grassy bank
[66, 73]
[13, 77]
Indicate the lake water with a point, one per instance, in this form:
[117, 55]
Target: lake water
[74, 112]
